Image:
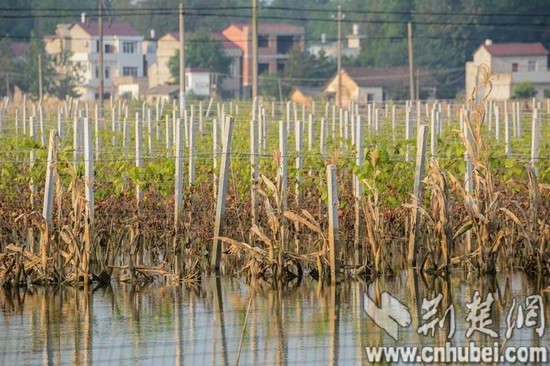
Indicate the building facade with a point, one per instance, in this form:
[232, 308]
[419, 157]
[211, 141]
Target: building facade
[275, 40]
[376, 84]
[511, 63]
[122, 54]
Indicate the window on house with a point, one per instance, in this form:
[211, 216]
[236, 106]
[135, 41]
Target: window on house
[263, 68]
[514, 66]
[232, 69]
[129, 47]
[109, 48]
[97, 46]
[129, 71]
[280, 66]
[370, 97]
[284, 44]
[96, 72]
[532, 65]
[263, 41]
[107, 72]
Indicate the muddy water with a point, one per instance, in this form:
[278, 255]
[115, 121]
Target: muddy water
[304, 323]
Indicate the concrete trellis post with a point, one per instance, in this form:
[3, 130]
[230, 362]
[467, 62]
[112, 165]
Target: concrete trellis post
[178, 189]
[333, 227]
[222, 192]
[418, 178]
[49, 186]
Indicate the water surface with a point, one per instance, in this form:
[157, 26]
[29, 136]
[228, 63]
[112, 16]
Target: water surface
[300, 324]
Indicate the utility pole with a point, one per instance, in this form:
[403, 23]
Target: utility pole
[182, 64]
[411, 65]
[101, 71]
[254, 49]
[40, 77]
[339, 60]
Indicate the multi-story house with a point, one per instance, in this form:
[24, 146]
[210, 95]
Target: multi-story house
[512, 63]
[123, 58]
[275, 40]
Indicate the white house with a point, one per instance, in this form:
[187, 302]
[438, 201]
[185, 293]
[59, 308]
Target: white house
[198, 81]
[122, 57]
[512, 63]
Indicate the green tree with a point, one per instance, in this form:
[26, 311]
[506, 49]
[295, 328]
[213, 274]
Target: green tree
[200, 51]
[524, 90]
[30, 68]
[8, 67]
[68, 76]
[59, 75]
[273, 86]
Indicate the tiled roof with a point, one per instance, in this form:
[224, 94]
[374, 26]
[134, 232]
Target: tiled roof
[517, 49]
[308, 91]
[109, 29]
[383, 76]
[266, 27]
[163, 89]
[226, 43]
[378, 76]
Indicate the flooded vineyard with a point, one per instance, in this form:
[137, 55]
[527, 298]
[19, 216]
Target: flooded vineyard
[302, 210]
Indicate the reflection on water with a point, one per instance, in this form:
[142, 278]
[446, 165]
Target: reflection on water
[308, 324]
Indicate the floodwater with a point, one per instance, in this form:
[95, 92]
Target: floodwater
[300, 324]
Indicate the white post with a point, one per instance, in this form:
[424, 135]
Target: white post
[89, 168]
[77, 125]
[168, 133]
[309, 134]
[222, 192]
[507, 149]
[125, 136]
[323, 142]
[254, 169]
[518, 118]
[60, 126]
[215, 151]
[433, 134]
[114, 124]
[283, 172]
[393, 118]
[149, 116]
[333, 129]
[535, 138]
[139, 155]
[17, 124]
[497, 123]
[178, 194]
[48, 188]
[42, 127]
[418, 178]
[299, 148]
[191, 150]
[333, 227]
[97, 142]
[201, 119]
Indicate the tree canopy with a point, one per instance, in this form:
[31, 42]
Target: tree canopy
[200, 51]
